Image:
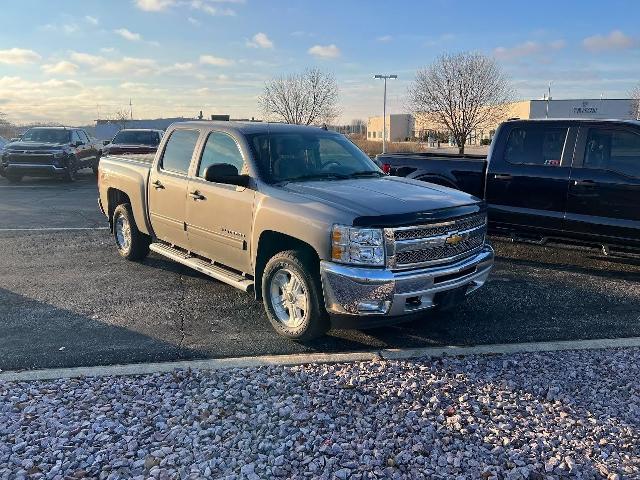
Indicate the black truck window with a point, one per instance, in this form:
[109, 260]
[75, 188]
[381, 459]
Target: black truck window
[535, 145]
[611, 149]
[179, 150]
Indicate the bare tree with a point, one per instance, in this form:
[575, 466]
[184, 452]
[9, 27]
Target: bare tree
[307, 98]
[461, 93]
[635, 96]
[358, 126]
[121, 117]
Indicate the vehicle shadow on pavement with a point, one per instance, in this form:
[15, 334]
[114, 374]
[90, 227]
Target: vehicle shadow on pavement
[63, 338]
[592, 270]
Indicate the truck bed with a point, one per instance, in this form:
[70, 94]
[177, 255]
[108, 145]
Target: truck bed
[464, 172]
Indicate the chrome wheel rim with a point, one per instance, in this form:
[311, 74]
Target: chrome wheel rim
[289, 298]
[123, 233]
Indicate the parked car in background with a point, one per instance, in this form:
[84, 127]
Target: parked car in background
[567, 180]
[3, 142]
[134, 141]
[49, 151]
[303, 218]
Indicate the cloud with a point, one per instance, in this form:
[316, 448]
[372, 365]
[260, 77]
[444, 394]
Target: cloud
[324, 51]
[527, 49]
[193, 21]
[91, 20]
[260, 40]
[18, 56]
[86, 58]
[384, 38]
[67, 28]
[154, 5]
[63, 67]
[207, 6]
[217, 61]
[128, 35]
[616, 40]
[186, 67]
[127, 65]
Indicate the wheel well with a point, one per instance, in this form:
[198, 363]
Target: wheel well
[115, 197]
[269, 244]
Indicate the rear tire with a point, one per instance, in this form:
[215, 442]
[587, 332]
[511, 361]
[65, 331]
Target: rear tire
[292, 296]
[132, 244]
[14, 178]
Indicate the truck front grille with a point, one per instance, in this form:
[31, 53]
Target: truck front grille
[423, 245]
[31, 158]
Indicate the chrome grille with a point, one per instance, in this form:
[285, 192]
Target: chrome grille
[437, 243]
[423, 231]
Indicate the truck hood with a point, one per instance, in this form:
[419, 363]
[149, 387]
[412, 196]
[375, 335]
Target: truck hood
[382, 196]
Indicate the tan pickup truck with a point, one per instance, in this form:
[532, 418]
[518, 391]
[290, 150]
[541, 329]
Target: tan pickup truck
[300, 216]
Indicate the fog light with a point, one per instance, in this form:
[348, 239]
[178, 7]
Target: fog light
[373, 306]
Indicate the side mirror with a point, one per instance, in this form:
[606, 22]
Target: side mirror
[14, 139]
[225, 173]
[106, 142]
[78, 143]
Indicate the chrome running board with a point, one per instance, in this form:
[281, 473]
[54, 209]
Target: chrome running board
[214, 271]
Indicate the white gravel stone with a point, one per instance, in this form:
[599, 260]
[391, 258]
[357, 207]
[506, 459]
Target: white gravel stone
[525, 416]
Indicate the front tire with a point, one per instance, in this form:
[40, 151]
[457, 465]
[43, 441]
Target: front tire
[132, 244]
[14, 178]
[70, 172]
[292, 296]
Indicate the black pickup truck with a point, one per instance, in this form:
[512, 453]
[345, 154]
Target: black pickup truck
[49, 151]
[576, 180]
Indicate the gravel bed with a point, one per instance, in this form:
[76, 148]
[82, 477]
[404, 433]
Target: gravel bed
[552, 415]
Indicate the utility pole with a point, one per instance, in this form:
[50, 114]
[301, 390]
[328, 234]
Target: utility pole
[130, 109]
[384, 109]
[548, 99]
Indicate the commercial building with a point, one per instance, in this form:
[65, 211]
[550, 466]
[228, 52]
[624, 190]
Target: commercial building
[399, 127]
[614, 108]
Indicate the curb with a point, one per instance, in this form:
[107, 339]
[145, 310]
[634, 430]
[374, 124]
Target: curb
[304, 359]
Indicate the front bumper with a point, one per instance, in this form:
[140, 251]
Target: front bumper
[33, 169]
[359, 291]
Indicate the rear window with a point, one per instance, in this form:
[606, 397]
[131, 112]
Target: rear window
[179, 150]
[132, 137]
[536, 145]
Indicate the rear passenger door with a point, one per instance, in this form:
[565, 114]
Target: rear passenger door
[604, 192]
[528, 176]
[89, 152]
[168, 187]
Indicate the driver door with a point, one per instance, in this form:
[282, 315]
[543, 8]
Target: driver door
[220, 216]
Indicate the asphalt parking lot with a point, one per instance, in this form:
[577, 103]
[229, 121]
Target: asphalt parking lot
[67, 299]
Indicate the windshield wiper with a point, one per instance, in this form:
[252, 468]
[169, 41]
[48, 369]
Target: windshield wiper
[319, 176]
[366, 173]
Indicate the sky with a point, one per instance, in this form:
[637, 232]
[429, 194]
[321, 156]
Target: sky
[72, 61]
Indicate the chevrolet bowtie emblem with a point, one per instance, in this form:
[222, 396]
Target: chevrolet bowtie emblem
[454, 239]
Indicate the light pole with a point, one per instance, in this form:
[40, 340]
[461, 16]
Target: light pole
[384, 109]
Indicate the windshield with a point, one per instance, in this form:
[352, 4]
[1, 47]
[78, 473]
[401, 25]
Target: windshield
[137, 137]
[309, 156]
[46, 135]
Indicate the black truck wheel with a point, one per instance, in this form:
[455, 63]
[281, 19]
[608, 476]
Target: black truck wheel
[13, 178]
[132, 243]
[70, 170]
[292, 296]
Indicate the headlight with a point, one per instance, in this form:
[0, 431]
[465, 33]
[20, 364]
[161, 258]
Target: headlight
[357, 246]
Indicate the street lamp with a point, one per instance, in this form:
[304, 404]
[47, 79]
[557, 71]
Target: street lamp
[384, 109]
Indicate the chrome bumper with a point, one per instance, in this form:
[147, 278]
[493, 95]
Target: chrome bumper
[368, 291]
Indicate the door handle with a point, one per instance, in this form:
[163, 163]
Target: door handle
[502, 176]
[197, 195]
[584, 183]
[158, 185]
